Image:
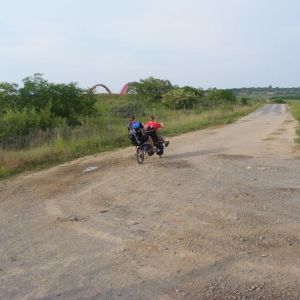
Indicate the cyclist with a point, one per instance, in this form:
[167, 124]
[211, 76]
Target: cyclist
[156, 125]
[140, 128]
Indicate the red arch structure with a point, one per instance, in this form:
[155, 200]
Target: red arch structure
[93, 87]
[168, 81]
[125, 87]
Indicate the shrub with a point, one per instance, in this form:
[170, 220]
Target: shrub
[66, 101]
[279, 101]
[244, 100]
[220, 95]
[179, 98]
[149, 90]
[19, 123]
[132, 108]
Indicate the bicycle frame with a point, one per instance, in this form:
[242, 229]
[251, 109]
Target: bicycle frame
[145, 149]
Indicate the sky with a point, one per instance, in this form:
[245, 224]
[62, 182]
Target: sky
[197, 43]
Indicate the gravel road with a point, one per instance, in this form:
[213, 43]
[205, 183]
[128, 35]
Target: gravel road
[216, 218]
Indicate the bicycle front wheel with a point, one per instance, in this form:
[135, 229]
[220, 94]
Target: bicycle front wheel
[140, 155]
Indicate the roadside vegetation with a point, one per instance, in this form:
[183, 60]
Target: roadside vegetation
[43, 124]
[295, 109]
[269, 92]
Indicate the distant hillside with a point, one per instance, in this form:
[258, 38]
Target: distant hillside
[267, 92]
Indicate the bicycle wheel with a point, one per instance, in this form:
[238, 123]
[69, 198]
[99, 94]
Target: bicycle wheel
[140, 155]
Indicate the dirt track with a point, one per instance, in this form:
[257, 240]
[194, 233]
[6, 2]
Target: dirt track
[216, 218]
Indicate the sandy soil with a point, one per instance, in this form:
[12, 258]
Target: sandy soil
[216, 218]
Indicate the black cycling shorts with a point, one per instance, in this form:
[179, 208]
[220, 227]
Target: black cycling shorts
[145, 137]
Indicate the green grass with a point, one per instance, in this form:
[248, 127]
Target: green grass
[108, 133]
[295, 109]
[106, 101]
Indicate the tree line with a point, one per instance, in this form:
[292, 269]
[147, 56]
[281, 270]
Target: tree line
[40, 104]
[267, 92]
[152, 90]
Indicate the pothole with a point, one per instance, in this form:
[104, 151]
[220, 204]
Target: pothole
[90, 169]
[228, 156]
[237, 122]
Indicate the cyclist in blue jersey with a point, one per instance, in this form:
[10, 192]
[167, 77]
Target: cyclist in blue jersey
[140, 128]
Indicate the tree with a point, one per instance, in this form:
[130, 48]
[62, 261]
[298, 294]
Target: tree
[213, 95]
[198, 92]
[149, 90]
[227, 95]
[35, 92]
[66, 101]
[220, 95]
[179, 98]
[19, 122]
[71, 102]
[9, 96]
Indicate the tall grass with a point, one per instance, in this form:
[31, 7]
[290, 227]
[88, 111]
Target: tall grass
[108, 133]
[186, 121]
[295, 109]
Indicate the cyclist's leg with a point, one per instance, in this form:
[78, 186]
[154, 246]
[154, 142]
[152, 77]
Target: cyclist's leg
[162, 139]
[151, 143]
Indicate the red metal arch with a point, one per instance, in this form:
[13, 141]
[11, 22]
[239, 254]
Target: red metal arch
[168, 81]
[125, 87]
[93, 87]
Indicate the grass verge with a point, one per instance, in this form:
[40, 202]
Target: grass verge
[114, 137]
[295, 109]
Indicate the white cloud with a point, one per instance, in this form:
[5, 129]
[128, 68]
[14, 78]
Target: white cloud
[195, 42]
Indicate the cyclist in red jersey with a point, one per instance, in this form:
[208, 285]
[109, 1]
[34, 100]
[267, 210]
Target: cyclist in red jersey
[133, 124]
[156, 125]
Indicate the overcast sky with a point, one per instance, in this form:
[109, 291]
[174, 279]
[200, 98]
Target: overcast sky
[199, 43]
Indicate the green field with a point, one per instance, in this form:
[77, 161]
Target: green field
[108, 132]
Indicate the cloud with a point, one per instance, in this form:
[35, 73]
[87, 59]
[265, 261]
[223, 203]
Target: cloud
[194, 42]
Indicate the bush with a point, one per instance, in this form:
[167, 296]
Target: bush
[279, 101]
[149, 90]
[17, 123]
[244, 100]
[66, 101]
[132, 108]
[179, 98]
[220, 95]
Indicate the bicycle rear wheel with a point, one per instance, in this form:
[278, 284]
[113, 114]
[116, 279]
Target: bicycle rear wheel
[140, 155]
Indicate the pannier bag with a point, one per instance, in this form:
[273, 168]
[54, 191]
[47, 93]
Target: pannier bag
[135, 134]
[160, 148]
